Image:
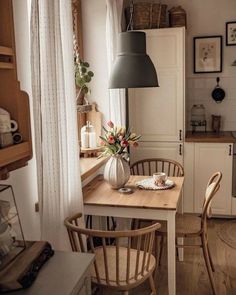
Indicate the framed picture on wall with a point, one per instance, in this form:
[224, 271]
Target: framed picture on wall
[231, 33]
[207, 54]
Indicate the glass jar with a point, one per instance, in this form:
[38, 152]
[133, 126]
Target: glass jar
[198, 113]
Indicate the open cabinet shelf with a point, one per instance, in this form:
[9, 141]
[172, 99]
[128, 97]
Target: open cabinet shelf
[14, 153]
[12, 99]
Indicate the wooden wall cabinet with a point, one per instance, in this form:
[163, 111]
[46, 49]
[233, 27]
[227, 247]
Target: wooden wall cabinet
[12, 99]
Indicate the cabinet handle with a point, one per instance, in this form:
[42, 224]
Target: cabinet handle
[180, 134]
[180, 149]
[230, 150]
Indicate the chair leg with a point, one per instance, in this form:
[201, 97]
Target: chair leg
[210, 258]
[152, 285]
[161, 249]
[208, 264]
[125, 292]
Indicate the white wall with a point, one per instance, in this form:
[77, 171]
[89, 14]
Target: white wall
[94, 41]
[206, 18]
[24, 180]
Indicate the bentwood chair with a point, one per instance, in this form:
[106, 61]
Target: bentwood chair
[192, 226]
[148, 167]
[117, 267]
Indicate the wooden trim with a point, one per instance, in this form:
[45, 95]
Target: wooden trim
[14, 153]
[6, 65]
[6, 51]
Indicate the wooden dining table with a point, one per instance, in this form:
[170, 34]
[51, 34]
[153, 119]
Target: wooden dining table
[101, 200]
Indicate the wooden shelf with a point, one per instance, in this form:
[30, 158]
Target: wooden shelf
[12, 99]
[6, 65]
[14, 153]
[6, 51]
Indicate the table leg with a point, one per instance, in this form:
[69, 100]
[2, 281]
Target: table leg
[180, 241]
[171, 253]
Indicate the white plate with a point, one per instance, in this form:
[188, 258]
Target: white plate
[149, 184]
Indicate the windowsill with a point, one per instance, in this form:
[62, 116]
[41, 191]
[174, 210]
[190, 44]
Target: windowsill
[89, 166]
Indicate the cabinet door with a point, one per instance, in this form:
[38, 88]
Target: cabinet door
[209, 158]
[167, 150]
[158, 113]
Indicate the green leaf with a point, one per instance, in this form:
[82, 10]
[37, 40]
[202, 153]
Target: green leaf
[86, 64]
[90, 73]
[87, 79]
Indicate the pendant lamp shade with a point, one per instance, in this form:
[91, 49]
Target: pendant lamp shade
[133, 68]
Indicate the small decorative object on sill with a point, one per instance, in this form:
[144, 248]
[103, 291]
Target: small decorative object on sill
[88, 136]
[198, 116]
[145, 15]
[177, 17]
[215, 123]
[115, 143]
[218, 94]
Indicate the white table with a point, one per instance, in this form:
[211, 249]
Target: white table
[101, 200]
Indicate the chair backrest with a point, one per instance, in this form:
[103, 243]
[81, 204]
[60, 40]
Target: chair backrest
[82, 239]
[150, 166]
[211, 190]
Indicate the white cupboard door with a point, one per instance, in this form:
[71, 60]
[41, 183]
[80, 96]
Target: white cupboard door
[210, 158]
[166, 150]
[158, 113]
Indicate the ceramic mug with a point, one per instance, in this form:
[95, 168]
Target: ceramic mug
[160, 178]
[6, 124]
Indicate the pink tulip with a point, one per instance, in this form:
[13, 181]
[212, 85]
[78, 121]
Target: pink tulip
[111, 139]
[124, 143]
[110, 124]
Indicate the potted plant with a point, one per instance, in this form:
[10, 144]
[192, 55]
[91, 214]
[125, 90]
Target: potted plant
[115, 143]
[83, 77]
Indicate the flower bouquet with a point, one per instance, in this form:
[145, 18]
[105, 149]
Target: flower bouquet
[114, 143]
[116, 140]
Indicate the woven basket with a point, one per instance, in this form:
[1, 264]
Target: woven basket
[147, 16]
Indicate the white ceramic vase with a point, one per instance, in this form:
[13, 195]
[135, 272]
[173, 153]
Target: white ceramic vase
[117, 171]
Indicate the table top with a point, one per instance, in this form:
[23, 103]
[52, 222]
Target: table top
[99, 193]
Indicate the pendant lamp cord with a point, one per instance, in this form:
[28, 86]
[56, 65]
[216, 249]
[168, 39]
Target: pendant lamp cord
[131, 9]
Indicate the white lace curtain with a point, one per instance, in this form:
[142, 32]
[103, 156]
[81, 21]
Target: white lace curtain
[113, 28]
[54, 100]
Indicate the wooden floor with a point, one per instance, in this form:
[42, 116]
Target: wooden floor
[192, 278]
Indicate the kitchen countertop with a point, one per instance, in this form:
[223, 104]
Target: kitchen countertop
[209, 136]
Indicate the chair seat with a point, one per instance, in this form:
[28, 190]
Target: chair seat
[111, 258]
[186, 224]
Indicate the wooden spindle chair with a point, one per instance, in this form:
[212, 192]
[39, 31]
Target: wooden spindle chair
[150, 166]
[195, 226]
[117, 267]
[147, 167]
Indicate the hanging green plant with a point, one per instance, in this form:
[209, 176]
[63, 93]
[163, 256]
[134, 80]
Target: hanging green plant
[83, 76]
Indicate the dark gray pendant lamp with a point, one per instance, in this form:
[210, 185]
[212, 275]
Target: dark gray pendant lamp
[133, 68]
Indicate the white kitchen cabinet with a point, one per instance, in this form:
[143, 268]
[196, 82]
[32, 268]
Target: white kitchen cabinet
[167, 150]
[201, 161]
[158, 113]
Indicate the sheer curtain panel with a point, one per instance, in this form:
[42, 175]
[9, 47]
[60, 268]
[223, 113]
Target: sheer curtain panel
[54, 101]
[113, 28]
